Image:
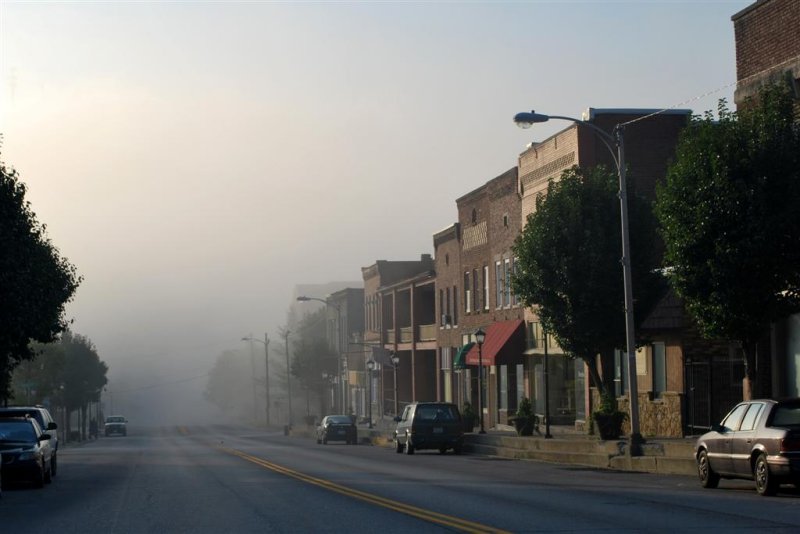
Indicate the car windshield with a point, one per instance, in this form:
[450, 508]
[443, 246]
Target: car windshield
[437, 413]
[115, 419]
[339, 420]
[17, 432]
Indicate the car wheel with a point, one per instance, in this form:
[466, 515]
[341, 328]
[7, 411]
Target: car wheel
[765, 483]
[325, 440]
[398, 447]
[409, 446]
[708, 478]
[48, 475]
[442, 450]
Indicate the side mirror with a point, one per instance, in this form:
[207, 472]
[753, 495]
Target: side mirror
[716, 427]
[51, 426]
[397, 419]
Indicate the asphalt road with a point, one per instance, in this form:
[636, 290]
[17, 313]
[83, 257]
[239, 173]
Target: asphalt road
[234, 479]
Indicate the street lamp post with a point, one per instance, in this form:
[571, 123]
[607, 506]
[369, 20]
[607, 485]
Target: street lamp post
[395, 365]
[480, 337]
[370, 368]
[342, 367]
[528, 119]
[266, 368]
[288, 379]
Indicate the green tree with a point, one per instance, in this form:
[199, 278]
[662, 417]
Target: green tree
[84, 375]
[224, 388]
[729, 214]
[36, 282]
[313, 359]
[568, 265]
[38, 381]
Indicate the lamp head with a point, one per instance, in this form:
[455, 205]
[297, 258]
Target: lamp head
[526, 119]
[371, 365]
[395, 359]
[480, 336]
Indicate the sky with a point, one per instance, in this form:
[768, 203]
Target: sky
[197, 160]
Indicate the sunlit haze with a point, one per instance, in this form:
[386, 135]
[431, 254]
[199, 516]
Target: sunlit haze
[196, 161]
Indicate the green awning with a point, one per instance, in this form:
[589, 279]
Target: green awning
[460, 361]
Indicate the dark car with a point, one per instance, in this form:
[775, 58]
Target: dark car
[757, 440]
[25, 451]
[337, 428]
[116, 424]
[46, 422]
[429, 425]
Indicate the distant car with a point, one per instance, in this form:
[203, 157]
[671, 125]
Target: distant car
[46, 422]
[25, 451]
[429, 425]
[116, 424]
[337, 428]
[757, 440]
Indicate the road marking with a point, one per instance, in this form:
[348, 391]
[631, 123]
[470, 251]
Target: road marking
[420, 513]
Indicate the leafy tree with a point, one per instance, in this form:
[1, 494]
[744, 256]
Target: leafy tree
[312, 357]
[38, 380]
[729, 213]
[84, 374]
[36, 282]
[568, 265]
[224, 388]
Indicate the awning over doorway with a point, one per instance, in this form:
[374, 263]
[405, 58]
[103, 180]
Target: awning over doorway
[460, 362]
[506, 338]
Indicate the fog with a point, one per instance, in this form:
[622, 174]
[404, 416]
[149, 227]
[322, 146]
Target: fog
[197, 161]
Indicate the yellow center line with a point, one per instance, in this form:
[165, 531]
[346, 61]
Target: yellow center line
[420, 513]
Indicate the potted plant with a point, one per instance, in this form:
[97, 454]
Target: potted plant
[468, 416]
[525, 421]
[608, 418]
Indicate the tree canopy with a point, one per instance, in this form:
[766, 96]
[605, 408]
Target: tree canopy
[36, 282]
[729, 213]
[568, 265]
[313, 361]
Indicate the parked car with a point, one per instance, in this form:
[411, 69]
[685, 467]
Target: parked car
[429, 425]
[337, 428]
[46, 422]
[116, 424]
[757, 440]
[25, 451]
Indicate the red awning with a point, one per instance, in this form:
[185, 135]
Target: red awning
[498, 336]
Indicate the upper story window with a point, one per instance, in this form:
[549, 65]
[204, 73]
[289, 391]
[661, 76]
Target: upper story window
[485, 287]
[467, 293]
[505, 220]
[474, 216]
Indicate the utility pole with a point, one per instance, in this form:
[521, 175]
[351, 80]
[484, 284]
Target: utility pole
[266, 373]
[285, 335]
[253, 378]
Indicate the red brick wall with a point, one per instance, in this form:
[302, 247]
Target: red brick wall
[767, 34]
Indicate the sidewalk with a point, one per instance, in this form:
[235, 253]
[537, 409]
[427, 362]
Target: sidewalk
[672, 456]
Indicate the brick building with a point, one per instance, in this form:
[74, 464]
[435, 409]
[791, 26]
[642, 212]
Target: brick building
[400, 317]
[473, 268]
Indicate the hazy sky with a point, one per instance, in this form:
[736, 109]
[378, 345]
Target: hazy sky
[196, 160]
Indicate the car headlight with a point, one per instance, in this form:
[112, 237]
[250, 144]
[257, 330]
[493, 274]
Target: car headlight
[28, 455]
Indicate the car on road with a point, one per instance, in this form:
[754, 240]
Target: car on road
[25, 451]
[116, 424]
[46, 423]
[758, 440]
[429, 425]
[337, 428]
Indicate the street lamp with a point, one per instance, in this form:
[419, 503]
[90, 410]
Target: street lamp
[266, 368]
[528, 119]
[395, 365]
[342, 368]
[480, 337]
[288, 380]
[370, 368]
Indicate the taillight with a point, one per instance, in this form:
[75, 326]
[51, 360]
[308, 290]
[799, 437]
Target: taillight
[791, 444]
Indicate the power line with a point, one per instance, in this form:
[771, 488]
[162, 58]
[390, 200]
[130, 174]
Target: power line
[708, 93]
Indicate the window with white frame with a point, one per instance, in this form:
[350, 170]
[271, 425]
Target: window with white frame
[467, 293]
[476, 293]
[507, 282]
[498, 282]
[485, 287]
